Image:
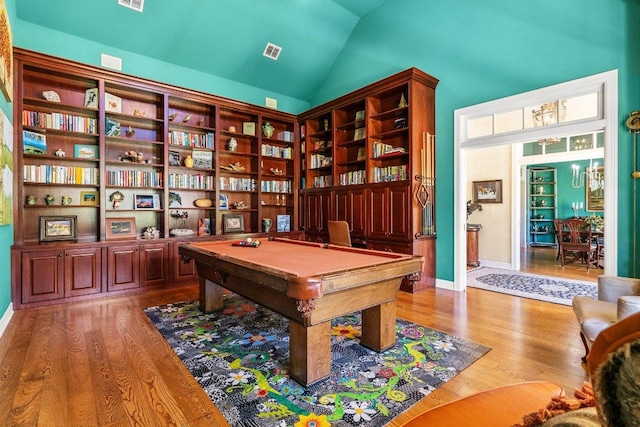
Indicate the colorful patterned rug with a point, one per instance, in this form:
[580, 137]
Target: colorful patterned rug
[239, 356]
[544, 288]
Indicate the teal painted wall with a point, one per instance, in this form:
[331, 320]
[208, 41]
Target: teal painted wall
[40, 39]
[6, 231]
[486, 50]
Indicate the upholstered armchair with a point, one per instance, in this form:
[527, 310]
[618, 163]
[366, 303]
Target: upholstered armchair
[618, 297]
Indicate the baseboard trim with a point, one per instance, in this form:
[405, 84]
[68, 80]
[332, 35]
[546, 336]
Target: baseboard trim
[6, 317]
[446, 284]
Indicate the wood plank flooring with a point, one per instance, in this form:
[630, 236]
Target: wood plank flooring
[102, 363]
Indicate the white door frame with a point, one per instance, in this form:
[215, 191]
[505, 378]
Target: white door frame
[606, 84]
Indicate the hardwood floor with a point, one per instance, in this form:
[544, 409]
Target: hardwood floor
[102, 363]
[542, 260]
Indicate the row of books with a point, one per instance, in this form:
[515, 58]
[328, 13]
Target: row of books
[319, 161]
[322, 181]
[237, 184]
[59, 121]
[353, 177]
[191, 139]
[380, 149]
[191, 182]
[276, 151]
[51, 174]
[390, 173]
[134, 178]
[276, 186]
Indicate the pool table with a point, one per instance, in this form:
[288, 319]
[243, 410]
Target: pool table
[310, 284]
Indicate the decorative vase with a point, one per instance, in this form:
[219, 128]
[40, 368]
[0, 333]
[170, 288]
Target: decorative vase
[66, 200]
[232, 145]
[32, 200]
[266, 224]
[267, 129]
[188, 161]
[50, 199]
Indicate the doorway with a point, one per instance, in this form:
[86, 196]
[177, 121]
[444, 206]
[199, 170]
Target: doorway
[478, 126]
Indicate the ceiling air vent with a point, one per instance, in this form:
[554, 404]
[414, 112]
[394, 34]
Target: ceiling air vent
[272, 51]
[132, 4]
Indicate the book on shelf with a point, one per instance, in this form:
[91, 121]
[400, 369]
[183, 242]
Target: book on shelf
[112, 103]
[34, 143]
[111, 127]
[359, 115]
[362, 153]
[283, 223]
[359, 133]
[202, 159]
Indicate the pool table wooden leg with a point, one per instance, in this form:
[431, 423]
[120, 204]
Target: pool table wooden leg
[309, 352]
[379, 326]
[211, 295]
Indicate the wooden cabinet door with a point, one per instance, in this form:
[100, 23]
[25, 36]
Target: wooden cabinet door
[42, 275]
[378, 211]
[83, 271]
[181, 270]
[123, 266]
[399, 218]
[154, 264]
[318, 206]
[351, 206]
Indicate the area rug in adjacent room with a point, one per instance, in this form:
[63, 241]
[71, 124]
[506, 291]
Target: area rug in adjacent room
[240, 355]
[544, 288]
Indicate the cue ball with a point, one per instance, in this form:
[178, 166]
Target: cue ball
[249, 239]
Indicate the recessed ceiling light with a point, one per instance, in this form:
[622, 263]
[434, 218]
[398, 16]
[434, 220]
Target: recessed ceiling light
[272, 51]
[132, 4]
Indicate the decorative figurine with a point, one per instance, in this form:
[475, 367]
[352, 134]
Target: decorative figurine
[173, 116]
[326, 124]
[60, 152]
[188, 162]
[66, 200]
[201, 121]
[116, 198]
[232, 145]
[403, 102]
[32, 200]
[51, 96]
[266, 224]
[130, 132]
[187, 118]
[139, 113]
[267, 129]
[49, 199]
[232, 129]
[151, 233]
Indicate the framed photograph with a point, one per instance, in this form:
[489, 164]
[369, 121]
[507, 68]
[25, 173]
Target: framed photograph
[202, 159]
[120, 228]
[487, 191]
[249, 128]
[283, 223]
[34, 143]
[58, 228]
[204, 227]
[146, 201]
[359, 115]
[359, 133]
[223, 203]
[81, 151]
[174, 158]
[232, 223]
[89, 198]
[595, 195]
[362, 153]
[112, 103]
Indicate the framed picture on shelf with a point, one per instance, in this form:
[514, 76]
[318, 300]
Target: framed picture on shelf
[58, 228]
[120, 228]
[232, 223]
[362, 153]
[174, 158]
[283, 223]
[487, 191]
[91, 98]
[89, 198]
[204, 227]
[359, 115]
[223, 203]
[146, 201]
[82, 151]
[359, 133]
[202, 159]
[34, 143]
[112, 103]
[249, 128]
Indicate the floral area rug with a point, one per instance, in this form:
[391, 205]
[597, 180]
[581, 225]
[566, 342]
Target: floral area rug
[544, 288]
[240, 355]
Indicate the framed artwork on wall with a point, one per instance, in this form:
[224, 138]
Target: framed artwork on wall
[487, 191]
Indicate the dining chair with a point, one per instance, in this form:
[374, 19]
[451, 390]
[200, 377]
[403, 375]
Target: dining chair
[339, 233]
[577, 241]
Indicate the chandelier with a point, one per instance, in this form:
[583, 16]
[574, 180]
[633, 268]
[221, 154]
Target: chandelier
[592, 175]
[549, 114]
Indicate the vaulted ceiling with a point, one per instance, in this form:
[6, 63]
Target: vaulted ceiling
[225, 38]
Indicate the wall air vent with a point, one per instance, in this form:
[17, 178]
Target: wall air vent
[132, 4]
[272, 51]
